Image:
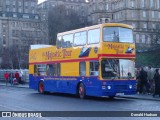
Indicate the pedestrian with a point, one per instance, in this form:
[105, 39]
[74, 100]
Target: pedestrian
[17, 76]
[138, 80]
[6, 76]
[20, 77]
[10, 78]
[150, 74]
[157, 82]
[143, 78]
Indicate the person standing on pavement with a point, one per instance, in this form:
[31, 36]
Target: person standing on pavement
[6, 76]
[138, 80]
[143, 78]
[10, 78]
[157, 82]
[17, 76]
[150, 74]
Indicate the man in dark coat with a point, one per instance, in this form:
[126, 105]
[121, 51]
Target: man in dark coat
[157, 83]
[143, 78]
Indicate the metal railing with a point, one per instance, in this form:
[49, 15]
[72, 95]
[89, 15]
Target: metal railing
[25, 76]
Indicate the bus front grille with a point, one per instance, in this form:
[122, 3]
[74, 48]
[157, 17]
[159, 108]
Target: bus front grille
[120, 87]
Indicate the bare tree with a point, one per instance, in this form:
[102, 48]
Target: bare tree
[62, 19]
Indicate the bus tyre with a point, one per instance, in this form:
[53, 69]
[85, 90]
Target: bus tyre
[82, 91]
[41, 87]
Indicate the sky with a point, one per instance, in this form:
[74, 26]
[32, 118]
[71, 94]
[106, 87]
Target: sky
[39, 1]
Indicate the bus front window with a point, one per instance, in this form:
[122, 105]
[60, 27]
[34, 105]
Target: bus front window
[117, 68]
[117, 34]
[126, 68]
[110, 69]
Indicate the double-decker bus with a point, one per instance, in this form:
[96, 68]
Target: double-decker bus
[93, 61]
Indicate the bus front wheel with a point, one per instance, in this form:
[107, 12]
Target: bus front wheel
[82, 91]
[41, 87]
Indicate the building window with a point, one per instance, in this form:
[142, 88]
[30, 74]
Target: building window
[137, 38]
[132, 2]
[144, 14]
[20, 3]
[26, 16]
[7, 2]
[142, 3]
[14, 15]
[107, 7]
[143, 38]
[158, 2]
[153, 15]
[148, 39]
[14, 9]
[151, 3]
[26, 10]
[33, 11]
[20, 10]
[7, 9]
[134, 25]
[133, 14]
[154, 26]
[145, 25]
[14, 2]
[32, 4]
[36, 17]
[26, 4]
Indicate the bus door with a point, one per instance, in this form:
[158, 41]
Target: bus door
[94, 77]
[34, 82]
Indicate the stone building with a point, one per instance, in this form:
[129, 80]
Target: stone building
[143, 15]
[21, 25]
[80, 6]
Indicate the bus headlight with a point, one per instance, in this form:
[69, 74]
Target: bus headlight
[130, 86]
[109, 87]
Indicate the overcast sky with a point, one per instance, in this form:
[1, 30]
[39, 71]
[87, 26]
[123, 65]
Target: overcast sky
[39, 1]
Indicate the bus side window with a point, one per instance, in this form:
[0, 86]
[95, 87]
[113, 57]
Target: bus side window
[51, 69]
[41, 70]
[82, 69]
[58, 69]
[35, 70]
[94, 68]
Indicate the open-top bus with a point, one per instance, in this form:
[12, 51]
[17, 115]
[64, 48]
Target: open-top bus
[93, 61]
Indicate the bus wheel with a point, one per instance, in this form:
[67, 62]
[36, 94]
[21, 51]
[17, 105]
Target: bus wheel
[41, 87]
[82, 91]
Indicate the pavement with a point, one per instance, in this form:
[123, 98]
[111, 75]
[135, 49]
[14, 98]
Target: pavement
[136, 96]
[25, 85]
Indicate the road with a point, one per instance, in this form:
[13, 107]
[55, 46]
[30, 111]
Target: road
[24, 99]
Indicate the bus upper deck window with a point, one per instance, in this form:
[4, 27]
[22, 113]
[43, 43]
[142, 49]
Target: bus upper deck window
[67, 41]
[59, 44]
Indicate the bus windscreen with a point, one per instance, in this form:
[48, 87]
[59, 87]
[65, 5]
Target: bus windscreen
[117, 34]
